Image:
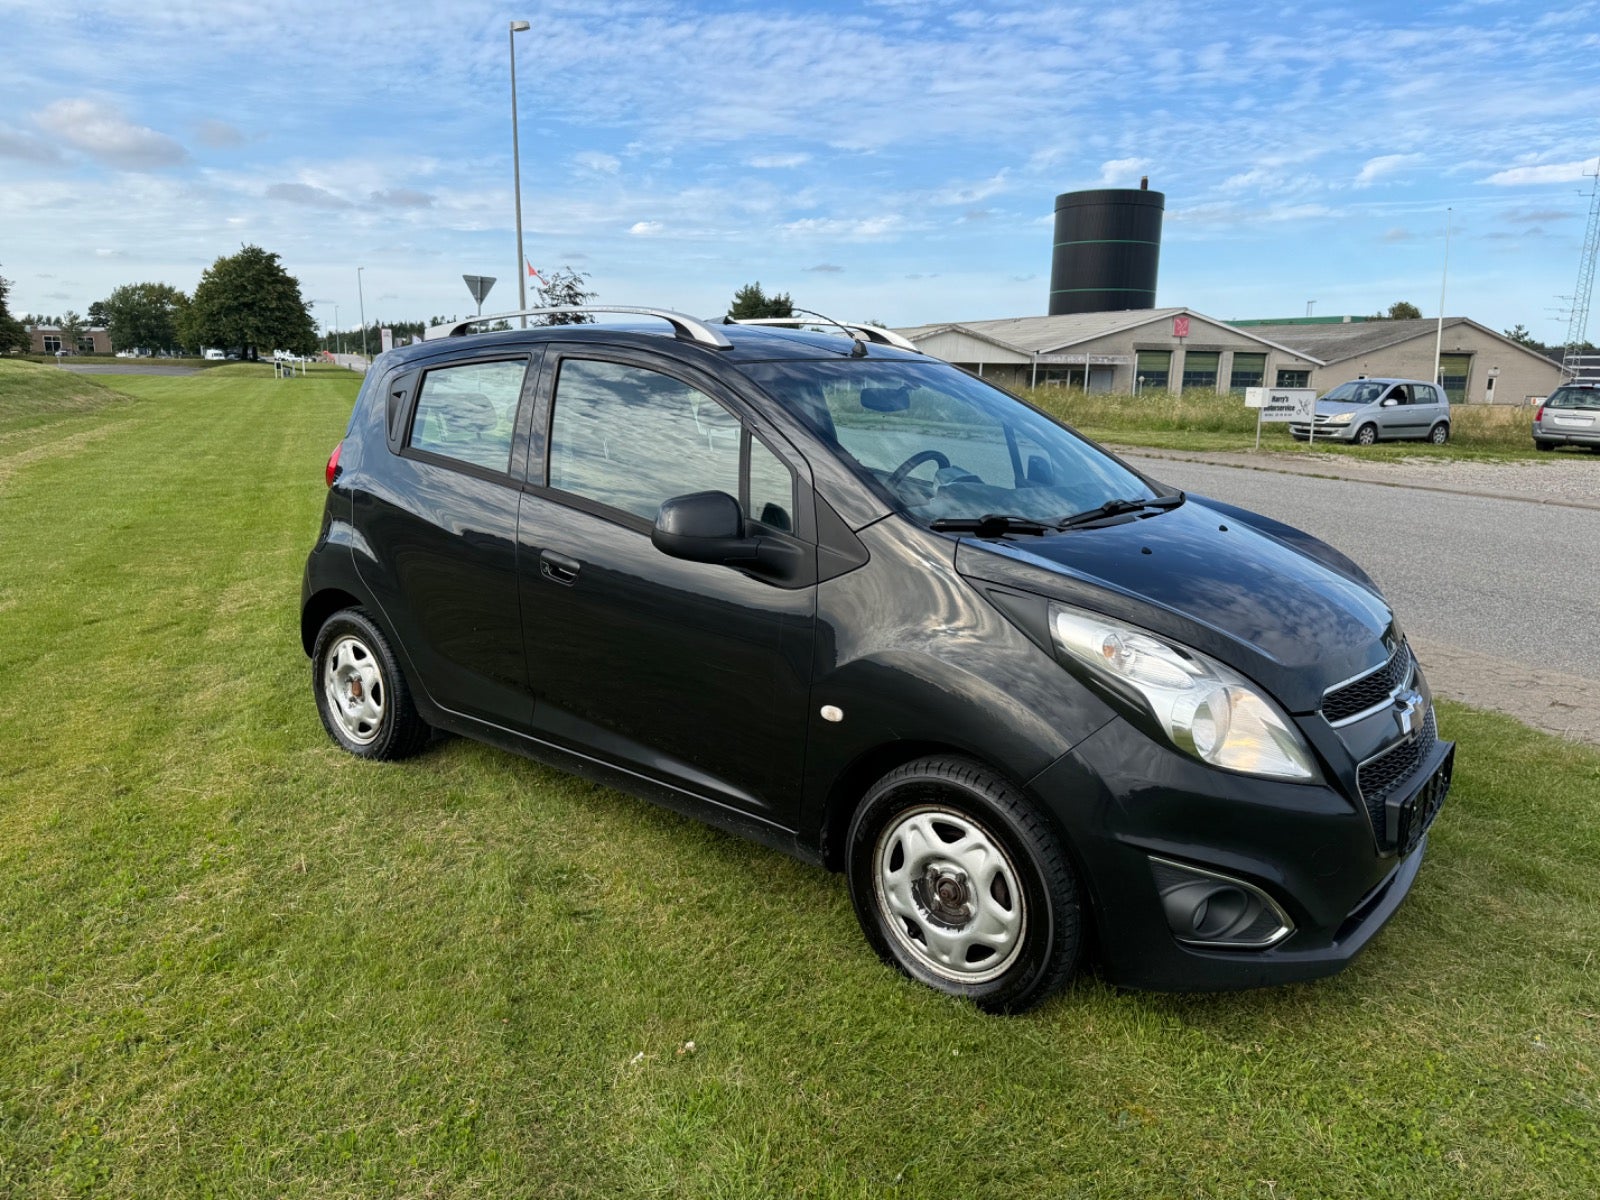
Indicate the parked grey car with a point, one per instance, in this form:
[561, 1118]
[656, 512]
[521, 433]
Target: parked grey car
[1365, 410]
[1570, 416]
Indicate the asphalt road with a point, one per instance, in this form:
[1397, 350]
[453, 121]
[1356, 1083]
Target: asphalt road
[1505, 580]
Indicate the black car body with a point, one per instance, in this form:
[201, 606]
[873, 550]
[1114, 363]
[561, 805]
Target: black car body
[865, 667]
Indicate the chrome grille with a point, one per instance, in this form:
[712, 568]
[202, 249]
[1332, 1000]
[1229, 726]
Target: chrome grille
[1370, 690]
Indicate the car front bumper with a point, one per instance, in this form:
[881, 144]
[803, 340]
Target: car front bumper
[1127, 803]
[1325, 433]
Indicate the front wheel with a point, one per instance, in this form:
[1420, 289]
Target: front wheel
[959, 883]
[1367, 435]
[362, 697]
[1439, 434]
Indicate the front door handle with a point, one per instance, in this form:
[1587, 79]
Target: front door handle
[558, 568]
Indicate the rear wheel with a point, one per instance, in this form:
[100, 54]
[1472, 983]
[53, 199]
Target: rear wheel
[1367, 435]
[362, 697]
[1538, 445]
[959, 883]
[1439, 434]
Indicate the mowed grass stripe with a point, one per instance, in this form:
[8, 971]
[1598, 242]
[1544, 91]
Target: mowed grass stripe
[234, 961]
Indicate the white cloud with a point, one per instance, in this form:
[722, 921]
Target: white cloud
[105, 135]
[28, 149]
[1567, 172]
[775, 162]
[645, 228]
[1119, 172]
[866, 229]
[599, 163]
[1385, 164]
[218, 135]
[305, 194]
[402, 197]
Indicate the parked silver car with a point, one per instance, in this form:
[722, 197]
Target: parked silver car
[1365, 410]
[1570, 416]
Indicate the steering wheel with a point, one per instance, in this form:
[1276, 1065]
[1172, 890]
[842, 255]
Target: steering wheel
[898, 475]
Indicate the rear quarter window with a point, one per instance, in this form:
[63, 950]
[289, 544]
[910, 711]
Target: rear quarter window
[469, 413]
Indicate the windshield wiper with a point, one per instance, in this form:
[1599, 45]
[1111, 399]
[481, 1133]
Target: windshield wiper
[1118, 508]
[992, 525]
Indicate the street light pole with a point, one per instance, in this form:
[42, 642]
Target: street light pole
[362, 299]
[1438, 337]
[516, 169]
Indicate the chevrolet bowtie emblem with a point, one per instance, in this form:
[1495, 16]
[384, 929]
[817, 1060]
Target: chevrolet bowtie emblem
[1409, 706]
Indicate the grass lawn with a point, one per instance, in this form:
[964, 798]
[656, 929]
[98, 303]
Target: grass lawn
[1210, 423]
[236, 962]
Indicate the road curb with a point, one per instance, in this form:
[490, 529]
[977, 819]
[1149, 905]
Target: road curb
[1484, 493]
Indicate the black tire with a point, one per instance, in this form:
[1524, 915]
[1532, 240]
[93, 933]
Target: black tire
[1367, 435]
[387, 725]
[1032, 885]
[1440, 433]
[1538, 445]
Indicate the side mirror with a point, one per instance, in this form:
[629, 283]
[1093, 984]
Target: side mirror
[708, 527]
[702, 527]
[1391, 402]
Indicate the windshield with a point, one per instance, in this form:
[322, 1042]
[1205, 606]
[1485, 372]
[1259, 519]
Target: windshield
[1571, 397]
[1357, 391]
[940, 444]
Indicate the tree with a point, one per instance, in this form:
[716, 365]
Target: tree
[71, 331]
[1401, 310]
[249, 303]
[144, 316]
[564, 289]
[13, 336]
[751, 301]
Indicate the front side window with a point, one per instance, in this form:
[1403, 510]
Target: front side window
[469, 413]
[771, 488]
[630, 438]
[1399, 394]
[938, 443]
[1357, 391]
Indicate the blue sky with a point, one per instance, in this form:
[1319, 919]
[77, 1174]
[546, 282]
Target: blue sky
[884, 160]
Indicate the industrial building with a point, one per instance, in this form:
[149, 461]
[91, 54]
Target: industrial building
[52, 339]
[1173, 349]
[1104, 333]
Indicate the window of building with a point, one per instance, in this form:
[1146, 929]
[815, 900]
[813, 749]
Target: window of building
[86, 344]
[52, 344]
[1153, 370]
[1248, 372]
[1454, 370]
[1288, 378]
[630, 438]
[469, 413]
[1200, 370]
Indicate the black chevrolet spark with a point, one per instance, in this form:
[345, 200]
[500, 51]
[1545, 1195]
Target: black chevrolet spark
[851, 602]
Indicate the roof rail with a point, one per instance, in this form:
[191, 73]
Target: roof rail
[690, 329]
[871, 333]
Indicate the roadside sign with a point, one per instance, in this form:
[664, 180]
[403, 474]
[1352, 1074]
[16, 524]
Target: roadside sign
[1281, 405]
[479, 286]
[1284, 404]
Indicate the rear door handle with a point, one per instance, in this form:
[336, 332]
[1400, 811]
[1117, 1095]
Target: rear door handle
[558, 568]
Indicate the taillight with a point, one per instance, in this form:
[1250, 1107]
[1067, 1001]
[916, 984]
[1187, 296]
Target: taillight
[1538, 416]
[332, 472]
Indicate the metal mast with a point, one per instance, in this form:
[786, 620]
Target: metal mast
[1578, 328]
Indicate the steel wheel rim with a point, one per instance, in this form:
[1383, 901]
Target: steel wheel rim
[1367, 436]
[948, 894]
[1440, 436]
[352, 685]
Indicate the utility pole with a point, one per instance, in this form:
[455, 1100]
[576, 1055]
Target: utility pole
[361, 297]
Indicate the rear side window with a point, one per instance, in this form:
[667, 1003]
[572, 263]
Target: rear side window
[469, 413]
[630, 438]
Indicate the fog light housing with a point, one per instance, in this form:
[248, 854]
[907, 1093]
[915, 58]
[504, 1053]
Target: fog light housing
[1205, 908]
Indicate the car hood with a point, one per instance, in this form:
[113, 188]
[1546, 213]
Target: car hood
[1206, 578]
[1339, 406]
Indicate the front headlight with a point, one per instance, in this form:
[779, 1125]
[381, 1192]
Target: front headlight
[1204, 708]
[1340, 418]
